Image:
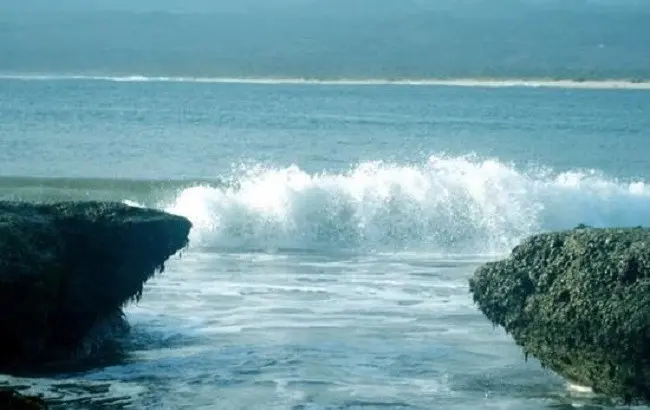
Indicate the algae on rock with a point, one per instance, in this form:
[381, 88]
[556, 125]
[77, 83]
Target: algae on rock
[67, 268]
[12, 400]
[578, 301]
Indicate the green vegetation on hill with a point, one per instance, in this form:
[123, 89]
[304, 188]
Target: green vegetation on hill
[328, 42]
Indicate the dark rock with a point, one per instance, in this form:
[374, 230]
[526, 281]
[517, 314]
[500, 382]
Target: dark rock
[67, 269]
[12, 400]
[578, 301]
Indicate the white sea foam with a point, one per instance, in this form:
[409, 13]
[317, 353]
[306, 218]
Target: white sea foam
[459, 82]
[368, 327]
[448, 204]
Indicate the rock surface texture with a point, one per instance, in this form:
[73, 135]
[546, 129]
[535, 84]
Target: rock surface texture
[12, 400]
[67, 269]
[578, 301]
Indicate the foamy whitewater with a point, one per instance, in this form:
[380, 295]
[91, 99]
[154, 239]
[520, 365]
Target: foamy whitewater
[447, 205]
[335, 229]
[461, 82]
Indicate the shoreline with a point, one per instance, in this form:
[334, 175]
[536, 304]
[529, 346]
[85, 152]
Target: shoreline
[604, 84]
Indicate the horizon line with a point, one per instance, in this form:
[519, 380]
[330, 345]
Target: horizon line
[457, 82]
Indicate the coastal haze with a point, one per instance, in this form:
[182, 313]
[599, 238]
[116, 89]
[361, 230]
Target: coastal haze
[335, 223]
[352, 39]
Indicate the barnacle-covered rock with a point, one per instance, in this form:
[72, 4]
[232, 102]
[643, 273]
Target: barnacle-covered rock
[67, 269]
[578, 301]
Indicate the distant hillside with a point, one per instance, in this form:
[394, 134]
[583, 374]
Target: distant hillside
[335, 39]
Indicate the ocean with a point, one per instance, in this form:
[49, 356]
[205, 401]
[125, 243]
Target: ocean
[335, 228]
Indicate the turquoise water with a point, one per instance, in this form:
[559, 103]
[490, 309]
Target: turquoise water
[335, 229]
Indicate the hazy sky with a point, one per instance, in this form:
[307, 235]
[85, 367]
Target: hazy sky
[341, 5]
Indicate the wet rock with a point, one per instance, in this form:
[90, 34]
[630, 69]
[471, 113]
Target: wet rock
[12, 400]
[67, 269]
[579, 302]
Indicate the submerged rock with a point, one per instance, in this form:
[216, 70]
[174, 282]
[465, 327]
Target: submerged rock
[67, 269]
[12, 400]
[578, 301]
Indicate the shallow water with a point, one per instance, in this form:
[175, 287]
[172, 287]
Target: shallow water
[335, 228]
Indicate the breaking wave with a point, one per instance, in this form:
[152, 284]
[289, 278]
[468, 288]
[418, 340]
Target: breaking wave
[458, 82]
[448, 204]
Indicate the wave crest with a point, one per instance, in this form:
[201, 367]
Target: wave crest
[458, 204]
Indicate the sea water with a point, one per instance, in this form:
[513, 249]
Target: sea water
[335, 229]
